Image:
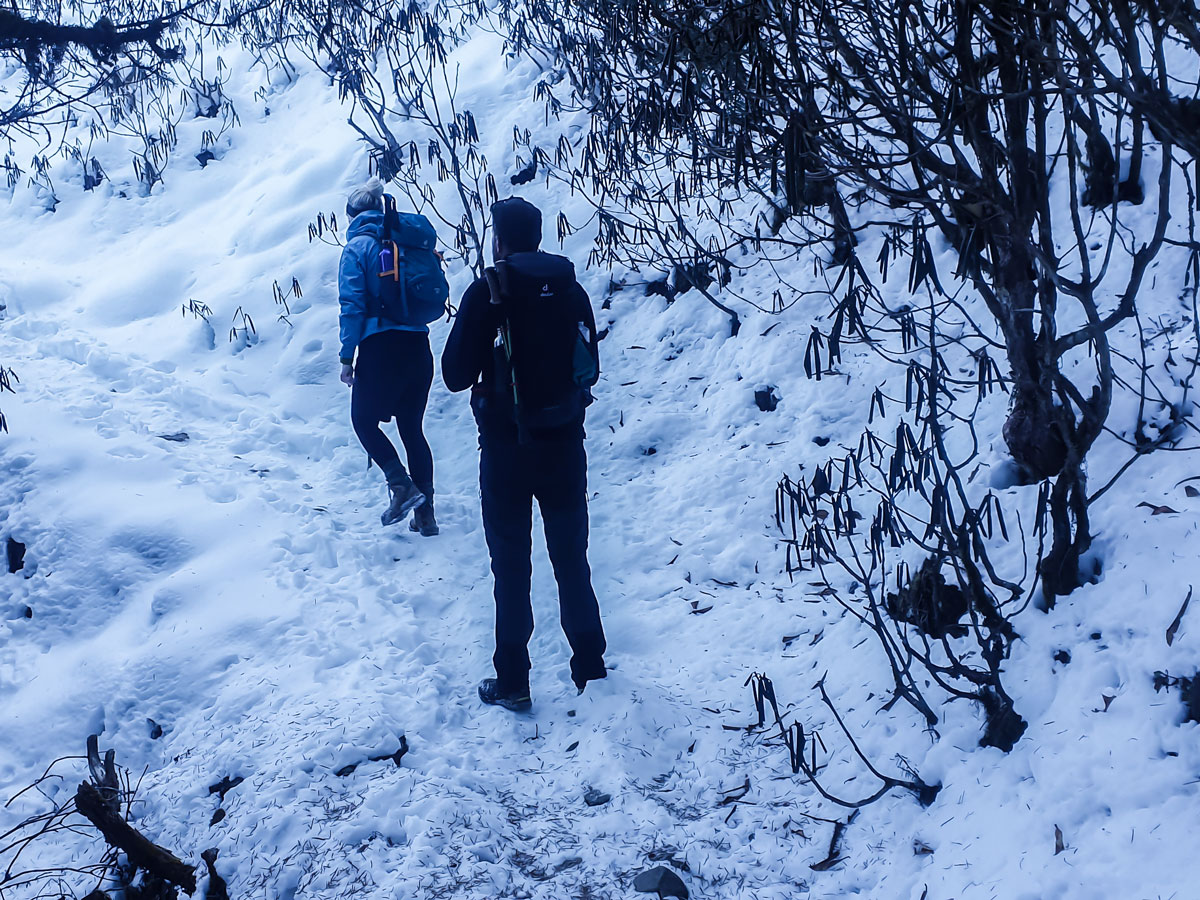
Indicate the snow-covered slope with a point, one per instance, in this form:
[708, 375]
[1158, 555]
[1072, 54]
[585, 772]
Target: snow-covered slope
[234, 589]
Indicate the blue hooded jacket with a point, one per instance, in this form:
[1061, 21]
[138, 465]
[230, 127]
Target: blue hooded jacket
[358, 285]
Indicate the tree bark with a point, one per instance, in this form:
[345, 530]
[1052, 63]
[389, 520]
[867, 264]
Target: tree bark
[142, 852]
[103, 38]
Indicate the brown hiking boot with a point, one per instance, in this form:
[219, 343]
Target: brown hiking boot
[404, 498]
[423, 521]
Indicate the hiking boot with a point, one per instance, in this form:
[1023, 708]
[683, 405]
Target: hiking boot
[580, 685]
[583, 672]
[405, 498]
[423, 521]
[490, 693]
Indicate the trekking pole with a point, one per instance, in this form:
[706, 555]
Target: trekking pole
[493, 282]
[389, 253]
[503, 338]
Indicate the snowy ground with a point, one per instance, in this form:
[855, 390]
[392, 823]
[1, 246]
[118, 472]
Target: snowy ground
[236, 590]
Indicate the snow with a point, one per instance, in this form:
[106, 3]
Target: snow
[236, 589]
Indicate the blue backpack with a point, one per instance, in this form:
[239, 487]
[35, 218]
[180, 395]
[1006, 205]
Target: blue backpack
[414, 289]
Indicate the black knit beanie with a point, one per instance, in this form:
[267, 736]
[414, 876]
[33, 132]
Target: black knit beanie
[518, 224]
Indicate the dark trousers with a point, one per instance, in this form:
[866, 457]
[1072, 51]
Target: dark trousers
[511, 475]
[392, 376]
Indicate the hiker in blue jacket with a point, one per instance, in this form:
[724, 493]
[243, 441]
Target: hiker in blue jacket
[393, 371]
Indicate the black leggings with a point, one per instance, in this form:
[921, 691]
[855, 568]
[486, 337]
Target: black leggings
[392, 377]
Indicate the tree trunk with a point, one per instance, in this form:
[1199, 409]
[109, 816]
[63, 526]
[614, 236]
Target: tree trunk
[1037, 428]
[1070, 532]
[1034, 433]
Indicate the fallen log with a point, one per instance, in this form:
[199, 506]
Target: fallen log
[142, 852]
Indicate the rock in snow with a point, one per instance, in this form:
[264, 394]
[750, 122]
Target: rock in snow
[662, 881]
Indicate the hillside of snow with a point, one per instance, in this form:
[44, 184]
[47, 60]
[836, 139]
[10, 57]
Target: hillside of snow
[206, 585]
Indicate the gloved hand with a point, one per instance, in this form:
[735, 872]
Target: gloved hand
[347, 376]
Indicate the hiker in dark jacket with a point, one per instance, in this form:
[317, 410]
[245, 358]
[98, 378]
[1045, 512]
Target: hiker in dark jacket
[530, 440]
[394, 369]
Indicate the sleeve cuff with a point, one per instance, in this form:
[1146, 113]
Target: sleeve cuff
[346, 362]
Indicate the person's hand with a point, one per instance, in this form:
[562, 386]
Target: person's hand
[347, 375]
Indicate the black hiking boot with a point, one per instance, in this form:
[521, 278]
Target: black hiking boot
[423, 521]
[405, 498]
[580, 685]
[490, 693]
